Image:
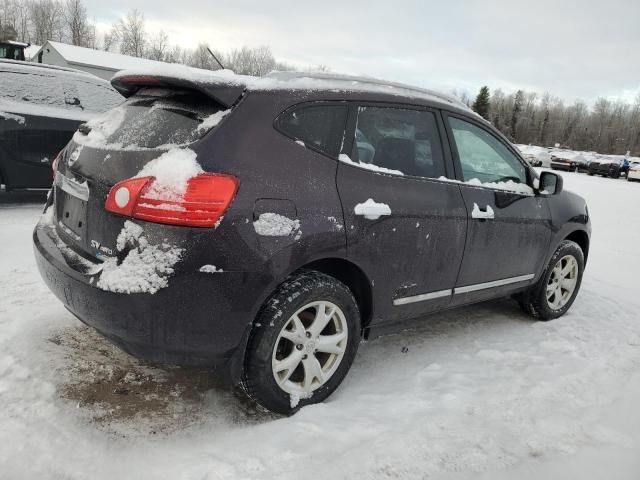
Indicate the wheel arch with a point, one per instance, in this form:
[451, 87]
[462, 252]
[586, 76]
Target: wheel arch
[582, 239]
[353, 277]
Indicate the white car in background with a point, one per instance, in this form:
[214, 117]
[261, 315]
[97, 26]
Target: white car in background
[633, 173]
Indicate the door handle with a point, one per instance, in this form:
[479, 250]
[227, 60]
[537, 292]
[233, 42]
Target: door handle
[372, 210]
[486, 214]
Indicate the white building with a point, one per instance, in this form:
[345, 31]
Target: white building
[100, 63]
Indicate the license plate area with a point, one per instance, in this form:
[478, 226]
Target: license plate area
[72, 215]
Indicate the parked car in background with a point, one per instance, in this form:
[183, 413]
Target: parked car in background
[264, 225]
[40, 109]
[536, 156]
[559, 161]
[582, 162]
[605, 167]
[634, 171]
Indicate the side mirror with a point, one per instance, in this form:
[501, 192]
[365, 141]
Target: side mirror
[550, 183]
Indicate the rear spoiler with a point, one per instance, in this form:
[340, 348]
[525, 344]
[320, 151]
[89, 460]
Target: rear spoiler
[225, 93]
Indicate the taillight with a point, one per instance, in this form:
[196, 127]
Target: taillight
[203, 203]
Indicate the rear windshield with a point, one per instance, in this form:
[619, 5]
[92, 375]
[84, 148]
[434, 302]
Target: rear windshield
[154, 118]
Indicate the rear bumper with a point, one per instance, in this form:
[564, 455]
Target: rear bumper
[633, 175]
[199, 319]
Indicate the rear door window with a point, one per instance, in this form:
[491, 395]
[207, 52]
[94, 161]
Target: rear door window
[399, 139]
[320, 126]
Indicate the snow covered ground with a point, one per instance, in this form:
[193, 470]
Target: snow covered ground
[478, 393]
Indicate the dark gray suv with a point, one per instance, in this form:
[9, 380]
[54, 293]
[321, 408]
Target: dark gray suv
[41, 107]
[264, 226]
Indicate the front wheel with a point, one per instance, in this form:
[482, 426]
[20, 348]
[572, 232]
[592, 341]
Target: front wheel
[558, 287]
[302, 343]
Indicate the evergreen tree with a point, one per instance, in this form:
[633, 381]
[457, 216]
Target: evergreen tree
[481, 104]
[515, 116]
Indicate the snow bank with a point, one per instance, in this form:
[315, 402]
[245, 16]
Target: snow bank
[372, 210]
[343, 157]
[274, 225]
[505, 398]
[172, 171]
[146, 267]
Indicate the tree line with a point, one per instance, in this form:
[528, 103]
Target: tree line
[609, 126]
[36, 21]
[525, 117]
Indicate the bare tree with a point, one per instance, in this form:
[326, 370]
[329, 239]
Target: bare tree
[131, 34]
[158, 46]
[46, 19]
[251, 61]
[77, 23]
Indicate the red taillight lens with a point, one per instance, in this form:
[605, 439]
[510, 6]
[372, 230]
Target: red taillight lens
[204, 202]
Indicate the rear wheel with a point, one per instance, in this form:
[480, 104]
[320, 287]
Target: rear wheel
[303, 343]
[558, 287]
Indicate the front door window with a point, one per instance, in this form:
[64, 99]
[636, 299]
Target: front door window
[483, 156]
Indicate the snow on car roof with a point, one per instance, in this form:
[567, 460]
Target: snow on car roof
[30, 67]
[291, 80]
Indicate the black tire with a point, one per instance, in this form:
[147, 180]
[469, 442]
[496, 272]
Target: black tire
[299, 290]
[535, 303]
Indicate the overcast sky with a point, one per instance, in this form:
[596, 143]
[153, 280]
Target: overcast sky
[573, 49]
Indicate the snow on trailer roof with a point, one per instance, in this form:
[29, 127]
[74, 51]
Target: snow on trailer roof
[181, 74]
[99, 58]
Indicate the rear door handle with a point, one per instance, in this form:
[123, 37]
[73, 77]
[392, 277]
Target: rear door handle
[372, 210]
[486, 214]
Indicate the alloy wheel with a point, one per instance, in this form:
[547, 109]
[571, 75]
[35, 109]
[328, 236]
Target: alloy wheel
[309, 348]
[562, 282]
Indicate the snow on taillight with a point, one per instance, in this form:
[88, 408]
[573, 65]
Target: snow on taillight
[205, 200]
